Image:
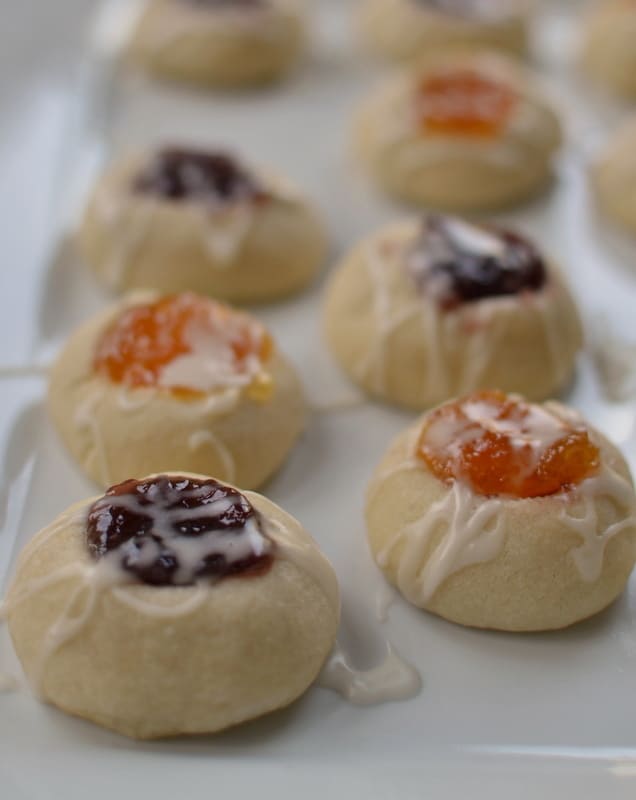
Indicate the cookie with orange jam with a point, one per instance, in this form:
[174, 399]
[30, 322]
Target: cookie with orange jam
[494, 512]
[172, 605]
[406, 30]
[462, 132]
[176, 382]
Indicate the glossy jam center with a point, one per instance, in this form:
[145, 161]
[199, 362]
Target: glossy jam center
[174, 530]
[464, 102]
[178, 174]
[181, 341]
[501, 445]
[458, 262]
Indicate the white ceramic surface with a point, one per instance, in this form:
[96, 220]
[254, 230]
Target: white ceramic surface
[499, 716]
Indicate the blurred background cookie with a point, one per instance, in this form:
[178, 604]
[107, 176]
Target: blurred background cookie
[428, 309]
[404, 30]
[220, 43]
[181, 218]
[609, 46]
[461, 133]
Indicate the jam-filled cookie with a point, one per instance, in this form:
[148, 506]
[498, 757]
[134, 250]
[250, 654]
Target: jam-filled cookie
[403, 30]
[496, 513]
[609, 46]
[429, 309]
[172, 605]
[181, 219]
[463, 132]
[614, 177]
[176, 382]
[220, 43]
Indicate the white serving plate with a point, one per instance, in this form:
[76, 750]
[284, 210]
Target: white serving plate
[499, 715]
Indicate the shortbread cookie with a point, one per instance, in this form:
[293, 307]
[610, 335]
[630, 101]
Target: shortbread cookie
[614, 177]
[426, 310]
[495, 513]
[172, 605]
[220, 43]
[461, 133]
[404, 30]
[179, 382]
[184, 219]
[609, 47]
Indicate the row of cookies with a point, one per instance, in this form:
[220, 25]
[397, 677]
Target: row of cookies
[177, 603]
[231, 43]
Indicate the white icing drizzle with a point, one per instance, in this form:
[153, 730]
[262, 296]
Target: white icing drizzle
[86, 422]
[618, 491]
[392, 680]
[129, 220]
[471, 533]
[201, 439]
[106, 574]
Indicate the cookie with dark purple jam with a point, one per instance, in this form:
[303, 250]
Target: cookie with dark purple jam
[169, 530]
[460, 262]
[179, 174]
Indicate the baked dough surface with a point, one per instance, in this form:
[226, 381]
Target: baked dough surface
[153, 662]
[399, 347]
[547, 563]
[223, 47]
[614, 177]
[461, 172]
[609, 53]
[404, 30]
[115, 433]
[242, 253]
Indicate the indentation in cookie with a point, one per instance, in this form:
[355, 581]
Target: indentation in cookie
[501, 445]
[172, 530]
[186, 344]
[462, 101]
[179, 174]
[458, 262]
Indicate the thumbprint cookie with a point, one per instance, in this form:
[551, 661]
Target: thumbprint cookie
[496, 513]
[463, 132]
[172, 605]
[403, 30]
[176, 382]
[614, 177]
[220, 43]
[182, 219]
[427, 310]
[609, 49]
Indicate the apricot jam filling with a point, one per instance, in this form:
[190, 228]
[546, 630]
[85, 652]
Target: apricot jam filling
[464, 102]
[186, 344]
[501, 445]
